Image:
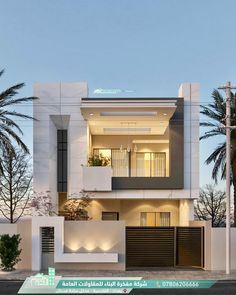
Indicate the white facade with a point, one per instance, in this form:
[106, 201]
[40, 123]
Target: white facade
[59, 107]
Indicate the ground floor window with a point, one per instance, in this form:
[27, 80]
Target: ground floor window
[110, 215]
[155, 218]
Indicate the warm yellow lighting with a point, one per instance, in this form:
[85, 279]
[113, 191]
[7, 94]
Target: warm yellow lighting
[74, 246]
[90, 246]
[105, 246]
[147, 156]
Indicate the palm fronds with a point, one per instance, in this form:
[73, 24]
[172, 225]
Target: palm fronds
[10, 131]
[216, 115]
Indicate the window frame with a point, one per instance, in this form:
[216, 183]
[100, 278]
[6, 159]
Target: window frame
[155, 214]
[150, 169]
[111, 212]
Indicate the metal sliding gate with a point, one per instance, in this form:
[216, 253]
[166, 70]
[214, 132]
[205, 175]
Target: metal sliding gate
[164, 247]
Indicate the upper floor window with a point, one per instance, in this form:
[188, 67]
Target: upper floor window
[151, 164]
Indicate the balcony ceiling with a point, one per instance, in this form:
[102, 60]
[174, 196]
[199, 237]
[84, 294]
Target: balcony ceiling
[115, 117]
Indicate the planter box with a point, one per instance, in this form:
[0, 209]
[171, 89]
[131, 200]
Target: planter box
[97, 178]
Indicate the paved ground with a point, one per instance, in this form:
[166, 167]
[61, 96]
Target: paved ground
[154, 274]
[225, 287]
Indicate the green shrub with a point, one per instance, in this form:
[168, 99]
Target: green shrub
[99, 160]
[9, 251]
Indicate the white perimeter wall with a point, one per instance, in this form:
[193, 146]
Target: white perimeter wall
[7, 228]
[100, 237]
[23, 228]
[218, 249]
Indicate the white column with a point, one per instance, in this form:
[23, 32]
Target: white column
[58, 100]
[191, 94]
[186, 212]
[71, 94]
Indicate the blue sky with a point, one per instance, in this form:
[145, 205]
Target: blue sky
[151, 46]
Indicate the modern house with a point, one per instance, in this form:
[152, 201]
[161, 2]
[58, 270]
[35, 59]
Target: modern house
[152, 143]
[142, 200]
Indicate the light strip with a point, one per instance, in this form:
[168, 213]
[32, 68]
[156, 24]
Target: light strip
[127, 129]
[105, 114]
[151, 141]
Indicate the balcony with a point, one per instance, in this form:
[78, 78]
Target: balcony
[142, 137]
[97, 178]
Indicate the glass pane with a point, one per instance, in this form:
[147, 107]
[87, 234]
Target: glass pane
[151, 221]
[165, 218]
[104, 152]
[120, 163]
[148, 218]
[143, 217]
[158, 164]
[143, 164]
[110, 216]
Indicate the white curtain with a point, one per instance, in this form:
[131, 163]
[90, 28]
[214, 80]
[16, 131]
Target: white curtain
[143, 164]
[120, 163]
[165, 218]
[158, 164]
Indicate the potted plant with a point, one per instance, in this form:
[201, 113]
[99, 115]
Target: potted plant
[98, 160]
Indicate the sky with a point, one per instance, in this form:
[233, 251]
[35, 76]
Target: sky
[150, 46]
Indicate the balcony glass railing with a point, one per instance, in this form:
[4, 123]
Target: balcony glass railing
[135, 164]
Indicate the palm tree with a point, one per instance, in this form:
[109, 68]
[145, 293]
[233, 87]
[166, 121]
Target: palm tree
[216, 113]
[10, 131]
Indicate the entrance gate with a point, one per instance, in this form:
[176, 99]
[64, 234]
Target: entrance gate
[148, 247]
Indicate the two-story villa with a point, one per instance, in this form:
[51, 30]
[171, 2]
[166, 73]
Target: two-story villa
[152, 143]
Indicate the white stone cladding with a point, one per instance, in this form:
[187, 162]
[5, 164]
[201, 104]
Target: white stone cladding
[59, 100]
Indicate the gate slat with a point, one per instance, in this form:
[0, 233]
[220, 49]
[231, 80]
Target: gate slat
[149, 247]
[190, 245]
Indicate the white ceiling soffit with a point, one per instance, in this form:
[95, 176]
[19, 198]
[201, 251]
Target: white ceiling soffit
[128, 128]
[118, 117]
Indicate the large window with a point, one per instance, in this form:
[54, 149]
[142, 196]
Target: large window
[151, 164]
[119, 160]
[155, 219]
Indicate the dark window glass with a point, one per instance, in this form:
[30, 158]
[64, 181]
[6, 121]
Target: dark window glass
[110, 215]
[62, 160]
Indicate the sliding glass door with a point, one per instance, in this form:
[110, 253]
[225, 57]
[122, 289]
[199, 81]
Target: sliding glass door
[151, 164]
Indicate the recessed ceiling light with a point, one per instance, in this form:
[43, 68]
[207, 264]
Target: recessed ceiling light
[91, 114]
[164, 114]
[120, 129]
[131, 113]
